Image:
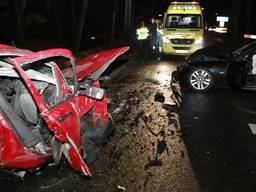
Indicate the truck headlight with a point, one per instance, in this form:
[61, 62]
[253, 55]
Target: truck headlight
[166, 39]
[199, 41]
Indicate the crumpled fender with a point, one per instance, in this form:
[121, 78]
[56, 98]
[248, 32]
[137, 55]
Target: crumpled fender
[72, 154]
[70, 149]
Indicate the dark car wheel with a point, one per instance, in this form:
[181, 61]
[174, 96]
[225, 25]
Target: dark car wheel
[200, 80]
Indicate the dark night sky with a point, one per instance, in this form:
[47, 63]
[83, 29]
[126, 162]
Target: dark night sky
[145, 8]
[100, 13]
[148, 8]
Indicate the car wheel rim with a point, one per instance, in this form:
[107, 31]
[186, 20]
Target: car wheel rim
[200, 79]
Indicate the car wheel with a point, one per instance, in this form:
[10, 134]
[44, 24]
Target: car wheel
[200, 80]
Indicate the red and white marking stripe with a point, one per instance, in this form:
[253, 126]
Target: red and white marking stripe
[247, 36]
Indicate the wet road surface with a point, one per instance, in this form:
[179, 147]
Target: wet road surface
[166, 138]
[219, 142]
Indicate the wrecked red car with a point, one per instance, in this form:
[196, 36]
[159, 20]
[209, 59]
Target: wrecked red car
[51, 108]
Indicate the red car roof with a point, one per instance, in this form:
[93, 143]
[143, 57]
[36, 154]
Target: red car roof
[12, 51]
[35, 56]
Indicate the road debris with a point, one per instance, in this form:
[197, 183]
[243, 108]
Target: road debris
[121, 106]
[170, 107]
[161, 147]
[148, 176]
[12, 176]
[121, 188]
[141, 115]
[154, 163]
[159, 97]
[196, 118]
[182, 153]
[104, 78]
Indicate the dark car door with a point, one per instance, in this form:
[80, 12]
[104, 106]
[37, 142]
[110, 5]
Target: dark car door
[237, 74]
[241, 66]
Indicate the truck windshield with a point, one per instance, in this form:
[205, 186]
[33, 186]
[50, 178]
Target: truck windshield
[183, 21]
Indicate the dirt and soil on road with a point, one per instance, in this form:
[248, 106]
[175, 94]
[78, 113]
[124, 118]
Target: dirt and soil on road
[145, 153]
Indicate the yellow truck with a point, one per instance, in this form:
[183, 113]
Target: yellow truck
[183, 28]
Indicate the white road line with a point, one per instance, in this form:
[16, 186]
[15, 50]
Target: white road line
[253, 128]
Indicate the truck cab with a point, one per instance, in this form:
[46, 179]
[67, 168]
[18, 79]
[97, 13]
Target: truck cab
[183, 28]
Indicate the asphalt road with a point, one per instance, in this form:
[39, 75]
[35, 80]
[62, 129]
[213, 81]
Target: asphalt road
[218, 141]
[166, 139]
[220, 145]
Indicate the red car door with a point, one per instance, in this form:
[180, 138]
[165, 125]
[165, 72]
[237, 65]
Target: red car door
[59, 108]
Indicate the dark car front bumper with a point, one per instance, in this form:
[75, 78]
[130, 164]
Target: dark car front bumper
[181, 73]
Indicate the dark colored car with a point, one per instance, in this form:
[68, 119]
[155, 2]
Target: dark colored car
[218, 66]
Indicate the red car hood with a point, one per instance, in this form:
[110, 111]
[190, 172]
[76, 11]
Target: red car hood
[93, 66]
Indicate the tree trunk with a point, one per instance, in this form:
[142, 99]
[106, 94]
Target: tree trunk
[80, 27]
[73, 16]
[236, 8]
[12, 19]
[50, 13]
[127, 16]
[49, 6]
[114, 21]
[57, 18]
[20, 7]
[249, 15]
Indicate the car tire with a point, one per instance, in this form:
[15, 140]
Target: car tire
[200, 80]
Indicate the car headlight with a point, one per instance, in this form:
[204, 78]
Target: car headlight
[199, 41]
[166, 39]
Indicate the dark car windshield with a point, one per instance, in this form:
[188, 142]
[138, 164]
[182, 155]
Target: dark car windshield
[183, 21]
